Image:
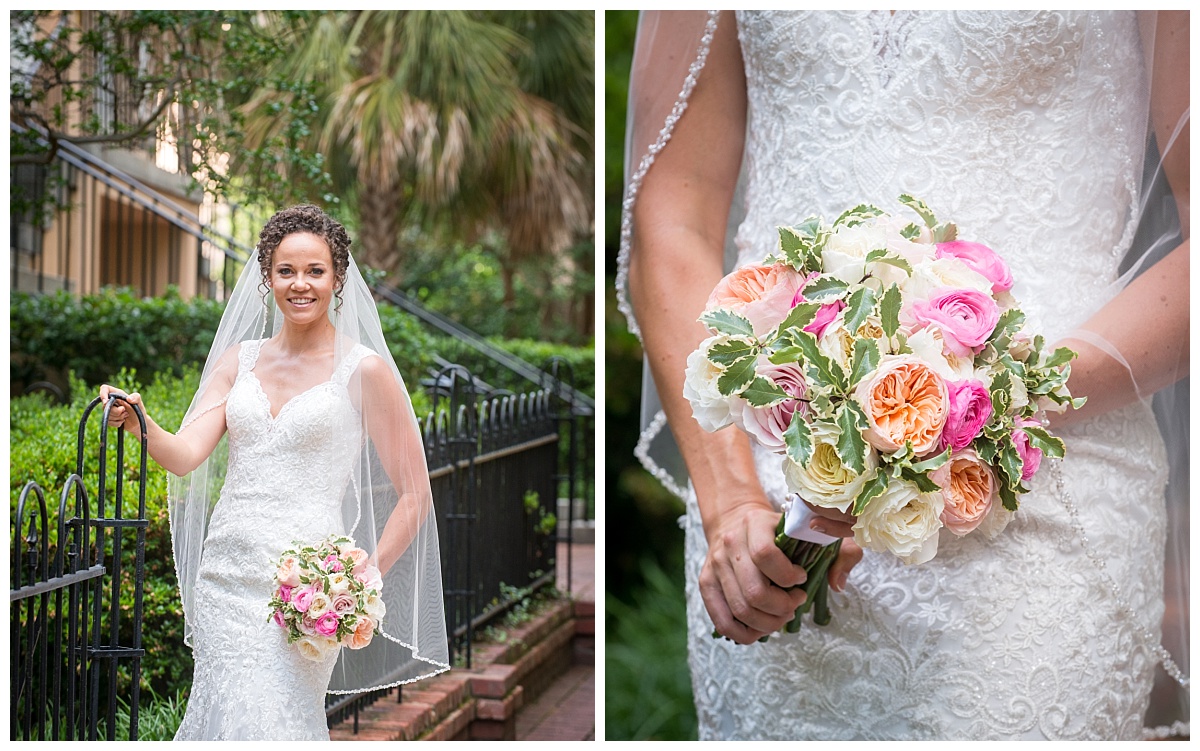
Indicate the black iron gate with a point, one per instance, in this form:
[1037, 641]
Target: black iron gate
[65, 606]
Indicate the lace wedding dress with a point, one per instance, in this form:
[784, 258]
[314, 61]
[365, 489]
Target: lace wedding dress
[284, 483]
[1012, 125]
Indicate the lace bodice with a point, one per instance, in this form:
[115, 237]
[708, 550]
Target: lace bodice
[1023, 127]
[285, 481]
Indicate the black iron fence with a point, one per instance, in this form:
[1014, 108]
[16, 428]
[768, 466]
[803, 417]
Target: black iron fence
[66, 604]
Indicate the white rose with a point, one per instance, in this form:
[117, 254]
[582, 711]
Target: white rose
[338, 583]
[709, 407]
[314, 648]
[825, 481]
[320, 604]
[902, 521]
[927, 345]
[931, 278]
[846, 249]
[375, 607]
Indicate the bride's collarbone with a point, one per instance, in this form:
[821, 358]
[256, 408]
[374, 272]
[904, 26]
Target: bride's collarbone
[283, 378]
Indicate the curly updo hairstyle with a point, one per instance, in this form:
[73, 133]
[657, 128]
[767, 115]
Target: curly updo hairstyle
[304, 218]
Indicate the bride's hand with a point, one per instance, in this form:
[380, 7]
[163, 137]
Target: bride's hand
[120, 414]
[746, 580]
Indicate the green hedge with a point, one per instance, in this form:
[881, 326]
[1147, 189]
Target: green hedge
[581, 359]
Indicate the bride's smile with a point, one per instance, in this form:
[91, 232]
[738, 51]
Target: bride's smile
[302, 277]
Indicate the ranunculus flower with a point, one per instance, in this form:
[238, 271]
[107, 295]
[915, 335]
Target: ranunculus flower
[904, 401]
[970, 406]
[279, 620]
[319, 605]
[767, 424]
[825, 481]
[289, 571]
[332, 563]
[327, 624]
[345, 603]
[1031, 457]
[979, 258]
[966, 318]
[363, 631]
[285, 593]
[302, 600]
[825, 314]
[709, 407]
[312, 648]
[762, 294]
[902, 521]
[969, 490]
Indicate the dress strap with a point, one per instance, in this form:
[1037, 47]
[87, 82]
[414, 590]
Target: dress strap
[349, 363]
[248, 355]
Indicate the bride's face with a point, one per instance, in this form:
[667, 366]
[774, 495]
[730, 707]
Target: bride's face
[302, 277]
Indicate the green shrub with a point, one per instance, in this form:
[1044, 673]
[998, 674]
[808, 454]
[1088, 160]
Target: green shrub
[582, 361]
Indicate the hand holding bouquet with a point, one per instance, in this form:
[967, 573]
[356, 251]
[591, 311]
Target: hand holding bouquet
[327, 595]
[889, 364]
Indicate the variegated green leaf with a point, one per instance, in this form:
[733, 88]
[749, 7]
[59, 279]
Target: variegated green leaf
[910, 231]
[736, 377]
[866, 359]
[851, 448]
[827, 372]
[798, 439]
[889, 311]
[857, 215]
[728, 352]
[884, 256]
[1008, 497]
[825, 289]
[859, 306]
[932, 463]
[944, 232]
[763, 393]
[919, 206]
[1050, 445]
[1060, 356]
[871, 489]
[727, 322]
[800, 316]
[792, 247]
[920, 479]
[1010, 464]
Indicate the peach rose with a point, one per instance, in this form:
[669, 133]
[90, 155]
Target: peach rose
[289, 571]
[359, 558]
[969, 489]
[903, 401]
[364, 629]
[762, 294]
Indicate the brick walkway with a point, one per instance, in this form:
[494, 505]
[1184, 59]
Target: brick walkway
[566, 710]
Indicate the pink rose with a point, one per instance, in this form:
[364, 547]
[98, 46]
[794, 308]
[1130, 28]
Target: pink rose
[981, 259]
[332, 563]
[762, 294]
[345, 603]
[279, 621]
[966, 318]
[825, 315]
[327, 624]
[970, 406]
[969, 489]
[285, 593]
[767, 424]
[303, 599]
[307, 625]
[1031, 457]
[289, 571]
[370, 578]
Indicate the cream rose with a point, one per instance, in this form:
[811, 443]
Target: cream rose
[319, 606]
[375, 607]
[933, 277]
[902, 521]
[825, 481]
[709, 407]
[904, 401]
[969, 490]
[338, 583]
[314, 648]
[288, 573]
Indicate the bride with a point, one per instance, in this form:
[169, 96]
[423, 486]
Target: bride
[1030, 131]
[322, 440]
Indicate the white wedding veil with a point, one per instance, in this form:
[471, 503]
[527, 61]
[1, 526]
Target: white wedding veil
[387, 504]
[669, 58]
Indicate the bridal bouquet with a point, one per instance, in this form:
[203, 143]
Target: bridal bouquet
[326, 596]
[888, 363]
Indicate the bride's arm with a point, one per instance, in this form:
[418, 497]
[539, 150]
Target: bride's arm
[180, 453]
[393, 429]
[676, 260]
[1147, 323]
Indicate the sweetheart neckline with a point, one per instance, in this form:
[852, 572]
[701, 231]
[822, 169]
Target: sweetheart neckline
[262, 392]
